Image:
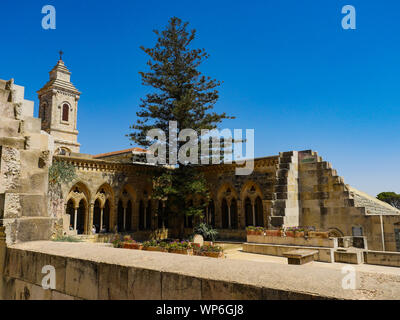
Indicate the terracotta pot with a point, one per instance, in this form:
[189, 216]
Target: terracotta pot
[259, 233]
[128, 245]
[251, 232]
[152, 248]
[299, 234]
[214, 254]
[181, 251]
[273, 233]
[289, 234]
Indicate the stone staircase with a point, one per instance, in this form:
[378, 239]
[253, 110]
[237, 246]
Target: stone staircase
[24, 160]
[326, 200]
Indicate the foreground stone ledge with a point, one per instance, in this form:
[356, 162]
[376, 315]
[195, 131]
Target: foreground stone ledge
[94, 271]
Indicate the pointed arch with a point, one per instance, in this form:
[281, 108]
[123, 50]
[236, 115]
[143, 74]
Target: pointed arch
[252, 190]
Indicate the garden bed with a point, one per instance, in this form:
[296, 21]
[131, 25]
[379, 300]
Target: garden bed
[173, 246]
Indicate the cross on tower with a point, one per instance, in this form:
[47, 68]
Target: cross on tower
[61, 53]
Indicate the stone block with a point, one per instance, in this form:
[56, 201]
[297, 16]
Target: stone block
[55, 295]
[12, 142]
[28, 229]
[82, 279]
[10, 169]
[33, 205]
[113, 282]
[9, 127]
[179, 287]
[12, 205]
[31, 125]
[145, 284]
[221, 290]
[6, 108]
[349, 257]
[36, 181]
[37, 141]
[28, 291]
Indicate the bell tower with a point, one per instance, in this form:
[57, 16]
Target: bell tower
[58, 109]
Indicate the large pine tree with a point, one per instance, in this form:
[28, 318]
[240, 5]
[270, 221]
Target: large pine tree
[182, 94]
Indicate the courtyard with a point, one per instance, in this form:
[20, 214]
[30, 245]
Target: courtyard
[96, 271]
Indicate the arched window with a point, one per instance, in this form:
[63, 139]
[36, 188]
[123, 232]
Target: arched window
[65, 112]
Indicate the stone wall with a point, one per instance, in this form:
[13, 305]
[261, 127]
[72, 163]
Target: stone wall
[295, 188]
[329, 204]
[391, 259]
[25, 155]
[84, 279]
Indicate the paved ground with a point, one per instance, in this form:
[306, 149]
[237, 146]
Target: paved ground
[235, 252]
[322, 279]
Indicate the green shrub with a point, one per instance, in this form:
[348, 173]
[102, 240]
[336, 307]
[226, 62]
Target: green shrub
[207, 231]
[66, 239]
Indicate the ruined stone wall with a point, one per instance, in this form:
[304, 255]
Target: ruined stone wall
[25, 155]
[329, 204]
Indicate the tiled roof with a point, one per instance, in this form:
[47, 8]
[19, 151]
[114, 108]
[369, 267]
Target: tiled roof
[101, 155]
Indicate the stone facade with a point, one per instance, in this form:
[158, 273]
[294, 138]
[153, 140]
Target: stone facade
[291, 189]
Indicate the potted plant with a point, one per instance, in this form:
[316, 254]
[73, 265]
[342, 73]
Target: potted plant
[207, 231]
[251, 230]
[210, 251]
[151, 245]
[183, 247]
[299, 233]
[163, 246]
[116, 241]
[259, 231]
[289, 232]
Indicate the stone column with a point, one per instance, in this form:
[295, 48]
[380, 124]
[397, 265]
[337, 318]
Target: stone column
[101, 219]
[145, 216]
[90, 218]
[75, 218]
[124, 223]
[241, 214]
[254, 213]
[229, 215]
[114, 220]
[267, 205]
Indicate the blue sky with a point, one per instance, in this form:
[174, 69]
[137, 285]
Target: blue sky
[288, 68]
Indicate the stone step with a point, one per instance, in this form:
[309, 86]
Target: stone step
[4, 95]
[34, 181]
[6, 110]
[31, 125]
[9, 127]
[25, 205]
